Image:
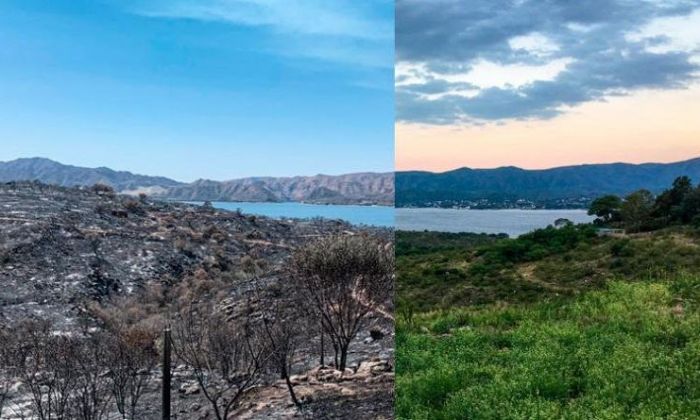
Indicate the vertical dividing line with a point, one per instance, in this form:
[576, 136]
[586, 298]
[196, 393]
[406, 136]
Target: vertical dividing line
[166, 373]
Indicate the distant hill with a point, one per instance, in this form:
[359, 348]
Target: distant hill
[341, 189]
[569, 186]
[366, 188]
[54, 173]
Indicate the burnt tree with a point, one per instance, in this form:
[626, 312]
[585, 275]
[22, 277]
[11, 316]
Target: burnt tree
[225, 356]
[344, 278]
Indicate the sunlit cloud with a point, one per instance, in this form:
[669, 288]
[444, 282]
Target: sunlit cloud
[485, 61]
[676, 33]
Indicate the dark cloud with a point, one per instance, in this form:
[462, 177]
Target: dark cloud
[448, 36]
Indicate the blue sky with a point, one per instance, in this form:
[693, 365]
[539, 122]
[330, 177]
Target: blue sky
[191, 89]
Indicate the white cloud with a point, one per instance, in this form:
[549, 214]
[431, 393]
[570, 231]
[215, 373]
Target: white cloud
[407, 73]
[462, 93]
[483, 74]
[535, 44]
[677, 33]
[486, 74]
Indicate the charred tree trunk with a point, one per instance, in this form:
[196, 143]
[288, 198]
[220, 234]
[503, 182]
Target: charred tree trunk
[323, 348]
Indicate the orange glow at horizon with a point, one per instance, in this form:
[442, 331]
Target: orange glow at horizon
[649, 126]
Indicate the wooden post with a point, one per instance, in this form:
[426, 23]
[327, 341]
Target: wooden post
[166, 373]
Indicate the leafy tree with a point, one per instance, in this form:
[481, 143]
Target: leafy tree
[668, 204]
[639, 211]
[681, 187]
[636, 210]
[606, 208]
[690, 207]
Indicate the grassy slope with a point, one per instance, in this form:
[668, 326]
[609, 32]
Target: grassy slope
[577, 344]
[547, 264]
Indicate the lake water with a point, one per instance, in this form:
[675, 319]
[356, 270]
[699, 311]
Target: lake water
[365, 215]
[512, 222]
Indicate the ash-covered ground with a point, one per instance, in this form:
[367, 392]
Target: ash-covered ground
[63, 248]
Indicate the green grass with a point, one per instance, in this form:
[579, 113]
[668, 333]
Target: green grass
[629, 350]
[557, 324]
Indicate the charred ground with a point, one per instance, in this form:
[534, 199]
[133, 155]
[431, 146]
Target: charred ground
[66, 251]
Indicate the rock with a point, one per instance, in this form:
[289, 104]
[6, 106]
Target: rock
[329, 375]
[298, 379]
[374, 367]
[189, 388]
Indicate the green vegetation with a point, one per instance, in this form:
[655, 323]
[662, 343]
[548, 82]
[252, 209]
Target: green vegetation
[631, 350]
[606, 208]
[642, 212]
[558, 323]
[412, 243]
[547, 263]
[430, 266]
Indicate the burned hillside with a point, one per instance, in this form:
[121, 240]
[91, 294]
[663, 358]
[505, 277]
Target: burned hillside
[87, 256]
[59, 246]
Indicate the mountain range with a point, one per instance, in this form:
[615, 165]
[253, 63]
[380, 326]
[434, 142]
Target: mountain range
[569, 186]
[358, 188]
[561, 187]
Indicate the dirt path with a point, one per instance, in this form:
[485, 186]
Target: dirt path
[527, 273]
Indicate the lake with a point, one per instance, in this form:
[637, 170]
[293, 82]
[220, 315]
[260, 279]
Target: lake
[357, 215]
[511, 222]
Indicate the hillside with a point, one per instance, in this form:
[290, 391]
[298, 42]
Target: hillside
[54, 173]
[72, 257]
[369, 188]
[554, 324]
[75, 244]
[483, 269]
[570, 186]
[359, 188]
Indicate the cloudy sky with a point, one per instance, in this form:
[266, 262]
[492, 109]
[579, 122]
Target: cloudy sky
[541, 83]
[199, 88]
